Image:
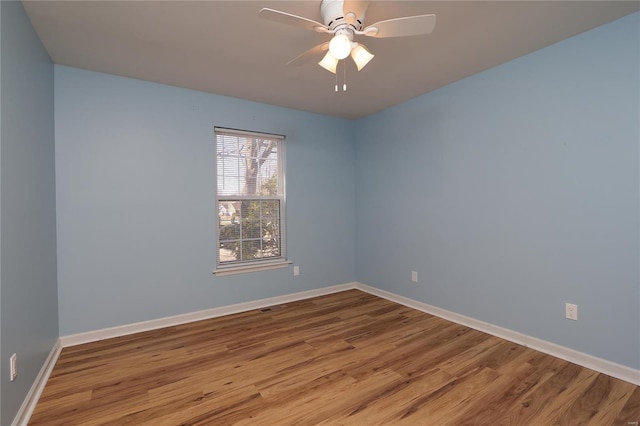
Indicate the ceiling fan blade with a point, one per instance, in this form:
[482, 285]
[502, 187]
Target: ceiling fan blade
[401, 27]
[354, 9]
[293, 20]
[308, 55]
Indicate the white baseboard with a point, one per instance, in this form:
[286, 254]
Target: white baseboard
[598, 364]
[601, 365]
[29, 404]
[610, 368]
[123, 330]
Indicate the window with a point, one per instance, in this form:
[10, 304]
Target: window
[249, 201]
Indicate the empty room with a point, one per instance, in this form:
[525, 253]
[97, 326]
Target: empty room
[319, 212]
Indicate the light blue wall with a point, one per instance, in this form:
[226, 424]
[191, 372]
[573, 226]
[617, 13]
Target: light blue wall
[135, 200]
[29, 307]
[515, 191]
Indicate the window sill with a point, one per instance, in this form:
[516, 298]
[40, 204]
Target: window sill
[251, 268]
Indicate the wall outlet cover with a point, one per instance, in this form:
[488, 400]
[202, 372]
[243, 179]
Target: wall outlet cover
[13, 367]
[571, 311]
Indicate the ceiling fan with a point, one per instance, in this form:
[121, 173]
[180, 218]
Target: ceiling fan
[344, 19]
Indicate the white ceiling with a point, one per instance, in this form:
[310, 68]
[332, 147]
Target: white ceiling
[223, 47]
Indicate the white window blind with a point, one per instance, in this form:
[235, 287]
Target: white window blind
[250, 198]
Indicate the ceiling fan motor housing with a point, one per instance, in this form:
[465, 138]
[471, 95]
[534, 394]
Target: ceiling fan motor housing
[336, 18]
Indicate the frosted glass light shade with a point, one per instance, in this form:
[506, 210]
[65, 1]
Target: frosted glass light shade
[361, 56]
[340, 46]
[329, 62]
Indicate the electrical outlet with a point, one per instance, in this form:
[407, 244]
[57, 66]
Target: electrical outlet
[13, 367]
[414, 276]
[296, 271]
[571, 311]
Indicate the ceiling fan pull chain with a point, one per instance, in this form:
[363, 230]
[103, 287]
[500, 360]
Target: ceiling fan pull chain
[336, 82]
[344, 67]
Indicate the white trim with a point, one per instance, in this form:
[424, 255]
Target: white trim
[238, 132]
[610, 368]
[221, 272]
[29, 404]
[598, 364]
[123, 330]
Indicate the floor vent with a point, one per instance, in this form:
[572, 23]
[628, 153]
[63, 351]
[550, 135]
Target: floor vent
[272, 308]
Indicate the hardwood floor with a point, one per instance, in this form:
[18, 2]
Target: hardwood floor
[344, 359]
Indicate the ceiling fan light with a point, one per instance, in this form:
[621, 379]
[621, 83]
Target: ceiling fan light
[361, 56]
[329, 62]
[340, 46]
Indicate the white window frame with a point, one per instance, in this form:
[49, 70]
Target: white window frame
[253, 265]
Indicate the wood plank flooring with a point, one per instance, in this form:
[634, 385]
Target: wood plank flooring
[344, 359]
